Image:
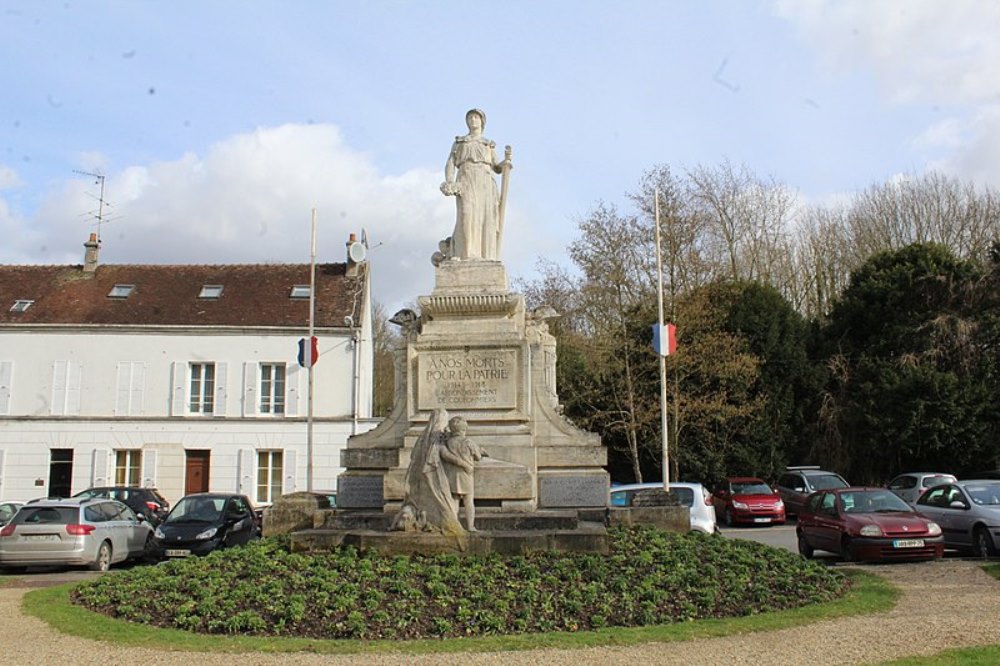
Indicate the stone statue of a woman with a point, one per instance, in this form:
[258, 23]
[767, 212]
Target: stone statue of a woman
[469, 178]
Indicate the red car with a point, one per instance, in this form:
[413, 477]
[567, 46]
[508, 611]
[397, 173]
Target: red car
[866, 524]
[746, 499]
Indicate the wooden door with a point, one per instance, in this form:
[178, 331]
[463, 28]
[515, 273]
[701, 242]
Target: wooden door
[196, 471]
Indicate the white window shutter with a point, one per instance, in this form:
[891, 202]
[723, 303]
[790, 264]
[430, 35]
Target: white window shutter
[6, 374]
[148, 468]
[99, 468]
[220, 390]
[292, 375]
[138, 389]
[250, 388]
[60, 369]
[124, 388]
[245, 474]
[288, 464]
[73, 383]
[178, 380]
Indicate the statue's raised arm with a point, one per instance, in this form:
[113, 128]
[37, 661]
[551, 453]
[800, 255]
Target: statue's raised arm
[468, 176]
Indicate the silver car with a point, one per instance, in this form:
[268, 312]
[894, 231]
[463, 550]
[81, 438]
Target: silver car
[7, 511]
[911, 485]
[91, 532]
[692, 495]
[968, 513]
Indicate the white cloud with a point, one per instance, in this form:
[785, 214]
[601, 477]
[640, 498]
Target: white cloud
[920, 52]
[249, 200]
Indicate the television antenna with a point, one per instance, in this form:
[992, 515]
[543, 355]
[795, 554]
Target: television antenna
[101, 203]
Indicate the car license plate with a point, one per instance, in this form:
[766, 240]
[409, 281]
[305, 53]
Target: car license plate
[41, 537]
[761, 520]
[177, 552]
[908, 543]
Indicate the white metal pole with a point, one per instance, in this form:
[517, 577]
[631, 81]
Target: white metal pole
[663, 358]
[308, 354]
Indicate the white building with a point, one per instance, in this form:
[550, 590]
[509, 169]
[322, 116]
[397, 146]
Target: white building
[184, 378]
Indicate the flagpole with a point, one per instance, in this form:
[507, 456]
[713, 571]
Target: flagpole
[663, 358]
[308, 354]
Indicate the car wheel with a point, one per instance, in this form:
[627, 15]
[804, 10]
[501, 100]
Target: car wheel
[727, 518]
[805, 550]
[103, 560]
[982, 544]
[148, 550]
[847, 550]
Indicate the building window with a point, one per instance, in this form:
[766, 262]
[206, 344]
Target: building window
[121, 291]
[269, 473]
[210, 291]
[127, 463]
[300, 291]
[272, 388]
[202, 388]
[22, 305]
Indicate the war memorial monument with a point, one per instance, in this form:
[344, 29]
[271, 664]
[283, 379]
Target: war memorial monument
[475, 455]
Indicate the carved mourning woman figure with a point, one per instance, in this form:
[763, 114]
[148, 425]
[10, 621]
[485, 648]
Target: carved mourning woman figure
[428, 500]
[469, 177]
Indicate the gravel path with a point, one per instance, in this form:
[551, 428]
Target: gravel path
[945, 604]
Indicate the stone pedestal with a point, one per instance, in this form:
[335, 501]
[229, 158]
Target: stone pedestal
[474, 351]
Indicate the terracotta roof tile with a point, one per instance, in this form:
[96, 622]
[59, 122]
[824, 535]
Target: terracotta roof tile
[253, 295]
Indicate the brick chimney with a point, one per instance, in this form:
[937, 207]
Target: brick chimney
[90, 255]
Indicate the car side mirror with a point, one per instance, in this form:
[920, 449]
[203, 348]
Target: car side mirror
[141, 517]
[959, 504]
[799, 489]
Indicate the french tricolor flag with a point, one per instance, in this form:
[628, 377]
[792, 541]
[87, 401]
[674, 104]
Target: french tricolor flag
[665, 339]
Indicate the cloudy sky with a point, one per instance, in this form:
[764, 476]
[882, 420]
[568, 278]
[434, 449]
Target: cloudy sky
[220, 125]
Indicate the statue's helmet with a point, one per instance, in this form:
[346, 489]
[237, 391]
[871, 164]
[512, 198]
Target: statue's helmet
[479, 112]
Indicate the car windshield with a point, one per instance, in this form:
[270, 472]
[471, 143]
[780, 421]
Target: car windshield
[931, 481]
[751, 488]
[826, 481]
[46, 515]
[985, 495]
[873, 501]
[197, 509]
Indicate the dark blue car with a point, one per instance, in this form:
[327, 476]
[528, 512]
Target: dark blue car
[203, 522]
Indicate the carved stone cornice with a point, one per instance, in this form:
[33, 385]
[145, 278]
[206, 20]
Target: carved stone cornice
[497, 304]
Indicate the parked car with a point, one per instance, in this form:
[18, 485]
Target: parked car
[968, 513]
[866, 524]
[798, 483]
[747, 499]
[203, 522]
[702, 513]
[912, 485]
[93, 532]
[7, 511]
[146, 502]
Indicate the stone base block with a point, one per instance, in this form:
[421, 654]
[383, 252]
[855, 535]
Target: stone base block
[360, 491]
[573, 488]
[671, 518]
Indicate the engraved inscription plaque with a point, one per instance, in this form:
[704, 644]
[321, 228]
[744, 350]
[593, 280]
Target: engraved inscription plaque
[464, 378]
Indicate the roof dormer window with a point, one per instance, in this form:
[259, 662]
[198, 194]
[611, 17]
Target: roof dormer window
[121, 291]
[300, 291]
[211, 291]
[21, 305]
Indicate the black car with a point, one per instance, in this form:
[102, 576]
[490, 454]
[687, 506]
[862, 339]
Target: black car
[145, 502]
[203, 522]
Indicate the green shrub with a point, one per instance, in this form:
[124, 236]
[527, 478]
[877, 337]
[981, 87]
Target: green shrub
[650, 577]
